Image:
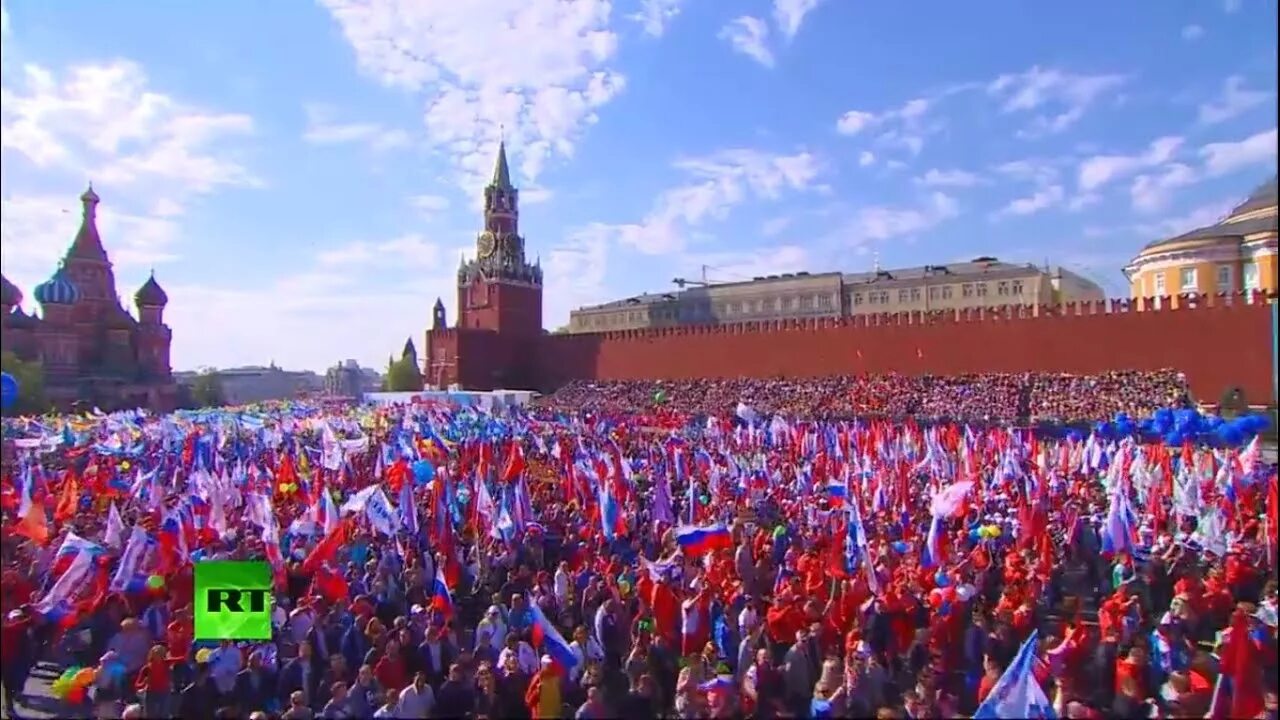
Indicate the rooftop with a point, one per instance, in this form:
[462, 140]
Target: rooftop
[981, 266]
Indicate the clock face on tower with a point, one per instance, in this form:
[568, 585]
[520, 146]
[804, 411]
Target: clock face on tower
[485, 244]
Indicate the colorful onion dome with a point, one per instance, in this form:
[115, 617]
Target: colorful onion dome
[57, 290]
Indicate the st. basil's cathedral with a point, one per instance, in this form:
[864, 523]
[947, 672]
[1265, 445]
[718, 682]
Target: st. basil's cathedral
[91, 349]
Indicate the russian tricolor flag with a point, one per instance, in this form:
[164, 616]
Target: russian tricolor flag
[697, 541]
[72, 545]
[549, 639]
[441, 598]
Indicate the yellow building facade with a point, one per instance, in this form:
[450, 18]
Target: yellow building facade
[1234, 254]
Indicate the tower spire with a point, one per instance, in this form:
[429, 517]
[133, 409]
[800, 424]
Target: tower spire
[502, 173]
[88, 243]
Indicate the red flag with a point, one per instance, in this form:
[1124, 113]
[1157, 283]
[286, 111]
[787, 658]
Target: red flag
[329, 585]
[515, 462]
[327, 548]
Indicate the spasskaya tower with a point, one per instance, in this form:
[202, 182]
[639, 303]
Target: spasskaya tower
[495, 341]
[500, 290]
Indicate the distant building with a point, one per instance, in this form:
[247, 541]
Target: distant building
[253, 384]
[92, 350]
[983, 282]
[1235, 253]
[348, 379]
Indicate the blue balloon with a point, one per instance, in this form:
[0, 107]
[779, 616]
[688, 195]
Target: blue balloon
[423, 471]
[941, 579]
[1174, 439]
[899, 546]
[8, 390]
[1231, 435]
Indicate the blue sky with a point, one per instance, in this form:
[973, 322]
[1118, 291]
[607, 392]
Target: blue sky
[302, 177]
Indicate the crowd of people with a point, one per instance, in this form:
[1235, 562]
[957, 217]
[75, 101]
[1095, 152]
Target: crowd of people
[981, 398]
[437, 561]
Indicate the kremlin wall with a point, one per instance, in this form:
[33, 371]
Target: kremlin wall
[1219, 340]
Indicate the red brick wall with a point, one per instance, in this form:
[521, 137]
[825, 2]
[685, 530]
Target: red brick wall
[1223, 342]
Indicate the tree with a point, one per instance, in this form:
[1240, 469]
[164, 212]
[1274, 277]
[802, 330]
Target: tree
[206, 390]
[402, 376]
[30, 377]
[1232, 403]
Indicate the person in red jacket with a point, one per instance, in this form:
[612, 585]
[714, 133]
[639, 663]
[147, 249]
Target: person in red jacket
[390, 670]
[155, 682]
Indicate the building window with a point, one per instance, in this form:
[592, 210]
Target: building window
[904, 296]
[884, 297]
[1002, 287]
[915, 294]
[946, 292]
[980, 288]
[857, 298]
[1252, 278]
[1224, 278]
[966, 290]
[935, 292]
[1188, 280]
[806, 302]
[1017, 287]
[1160, 284]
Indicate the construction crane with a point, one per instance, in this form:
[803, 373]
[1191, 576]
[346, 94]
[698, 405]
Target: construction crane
[704, 282]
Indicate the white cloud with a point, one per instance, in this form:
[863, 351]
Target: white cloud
[749, 36]
[1235, 100]
[1231, 6]
[538, 69]
[881, 222]
[149, 152]
[855, 121]
[1171, 226]
[1034, 170]
[429, 204]
[104, 121]
[326, 315]
[1227, 157]
[904, 127]
[1192, 32]
[38, 229]
[655, 15]
[1059, 98]
[866, 158]
[322, 129]
[948, 178]
[775, 226]
[788, 15]
[4, 20]
[575, 273]
[1151, 192]
[716, 184]
[410, 250]
[1096, 171]
[1042, 199]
